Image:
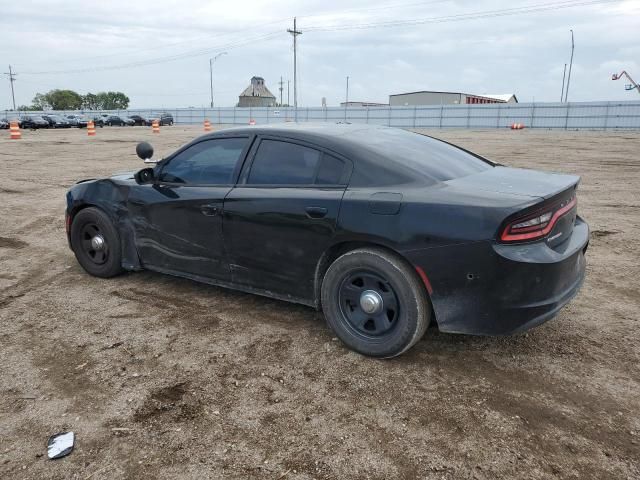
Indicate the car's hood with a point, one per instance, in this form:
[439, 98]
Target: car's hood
[517, 181]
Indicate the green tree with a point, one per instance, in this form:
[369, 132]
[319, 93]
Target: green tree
[40, 102]
[90, 102]
[112, 100]
[64, 100]
[57, 100]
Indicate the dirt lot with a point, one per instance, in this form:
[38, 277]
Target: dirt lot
[165, 378]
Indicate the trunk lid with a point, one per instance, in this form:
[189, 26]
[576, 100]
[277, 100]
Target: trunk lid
[519, 181]
[539, 192]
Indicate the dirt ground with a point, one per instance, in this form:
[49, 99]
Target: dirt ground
[165, 378]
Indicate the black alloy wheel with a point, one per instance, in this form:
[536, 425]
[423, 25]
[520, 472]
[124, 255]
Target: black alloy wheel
[375, 302]
[368, 303]
[96, 243]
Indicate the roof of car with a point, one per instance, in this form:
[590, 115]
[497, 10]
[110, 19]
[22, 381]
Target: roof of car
[384, 154]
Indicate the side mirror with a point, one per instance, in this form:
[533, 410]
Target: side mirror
[145, 152]
[146, 175]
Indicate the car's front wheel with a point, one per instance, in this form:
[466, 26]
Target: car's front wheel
[375, 303]
[96, 243]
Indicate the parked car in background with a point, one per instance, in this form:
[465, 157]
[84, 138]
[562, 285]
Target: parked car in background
[56, 121]
[98, 121]
[164, 119]
[33, 122]
[129, 121]
[4, 123]
[76, 120]
[139, 120]
[112, 120]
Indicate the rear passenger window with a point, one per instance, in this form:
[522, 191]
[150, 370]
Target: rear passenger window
[283, 163]
[330, 171]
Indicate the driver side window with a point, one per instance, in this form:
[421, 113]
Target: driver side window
[211, 162]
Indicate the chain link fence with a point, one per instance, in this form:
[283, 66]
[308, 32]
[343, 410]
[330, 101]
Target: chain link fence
[567, 116]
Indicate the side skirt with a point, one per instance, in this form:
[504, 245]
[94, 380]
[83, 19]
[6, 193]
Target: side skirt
[233, 286]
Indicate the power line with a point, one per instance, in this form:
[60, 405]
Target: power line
[153, 61]
[173, 44]
[461, 17]
[370, 9]
[324, 28]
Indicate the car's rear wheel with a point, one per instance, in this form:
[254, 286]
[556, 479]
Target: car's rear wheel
[375, 303]
[96, 243]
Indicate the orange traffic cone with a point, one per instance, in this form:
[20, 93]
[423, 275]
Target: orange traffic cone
[14, 129]
[207, 125]
[252, 122]
[91, 128]
[155, 126]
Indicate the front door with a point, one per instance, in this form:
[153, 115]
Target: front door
[178, 219]
[281, 216]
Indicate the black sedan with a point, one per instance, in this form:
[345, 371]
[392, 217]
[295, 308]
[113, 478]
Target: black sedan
[112, 120]
[385, 230]
[33, 122]
[139, 120]
[56, 121]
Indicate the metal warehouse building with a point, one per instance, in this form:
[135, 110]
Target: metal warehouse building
[447, 98]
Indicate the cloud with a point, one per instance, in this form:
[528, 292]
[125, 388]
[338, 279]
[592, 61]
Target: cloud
[522, 54]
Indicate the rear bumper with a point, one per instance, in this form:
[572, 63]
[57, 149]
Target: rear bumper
[493, 289]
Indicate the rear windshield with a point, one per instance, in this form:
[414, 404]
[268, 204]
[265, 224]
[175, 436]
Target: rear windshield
[433, 158]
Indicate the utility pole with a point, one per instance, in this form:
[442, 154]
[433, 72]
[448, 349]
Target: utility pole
[211, 61]
[12, 78]
[563, 76]
[346, 103]
[295, 34]
[566, 93]
[288, 103]
[281, 82]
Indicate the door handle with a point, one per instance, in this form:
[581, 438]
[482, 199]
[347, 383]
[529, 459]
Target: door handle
[210, 210]
[316, 212]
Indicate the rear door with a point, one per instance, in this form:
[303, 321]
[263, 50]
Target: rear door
[281, 216]
[178, 219]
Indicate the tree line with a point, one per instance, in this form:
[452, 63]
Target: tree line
[70, 100]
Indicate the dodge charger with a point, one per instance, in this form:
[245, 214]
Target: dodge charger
[384, 230]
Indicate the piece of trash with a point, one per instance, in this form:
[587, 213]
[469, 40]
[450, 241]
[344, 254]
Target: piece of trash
[60, 445]
[121, 429]
[82, 365]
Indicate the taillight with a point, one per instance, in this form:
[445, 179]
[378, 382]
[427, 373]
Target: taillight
[67, 222]
[536, 225]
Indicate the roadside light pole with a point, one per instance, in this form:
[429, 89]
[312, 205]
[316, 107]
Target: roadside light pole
[211, 61]
[346, 101]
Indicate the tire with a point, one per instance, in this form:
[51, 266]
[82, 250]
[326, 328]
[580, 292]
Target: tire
[102, 262]
[404, 309]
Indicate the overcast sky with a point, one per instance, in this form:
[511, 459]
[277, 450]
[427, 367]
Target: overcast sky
[522, 54]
